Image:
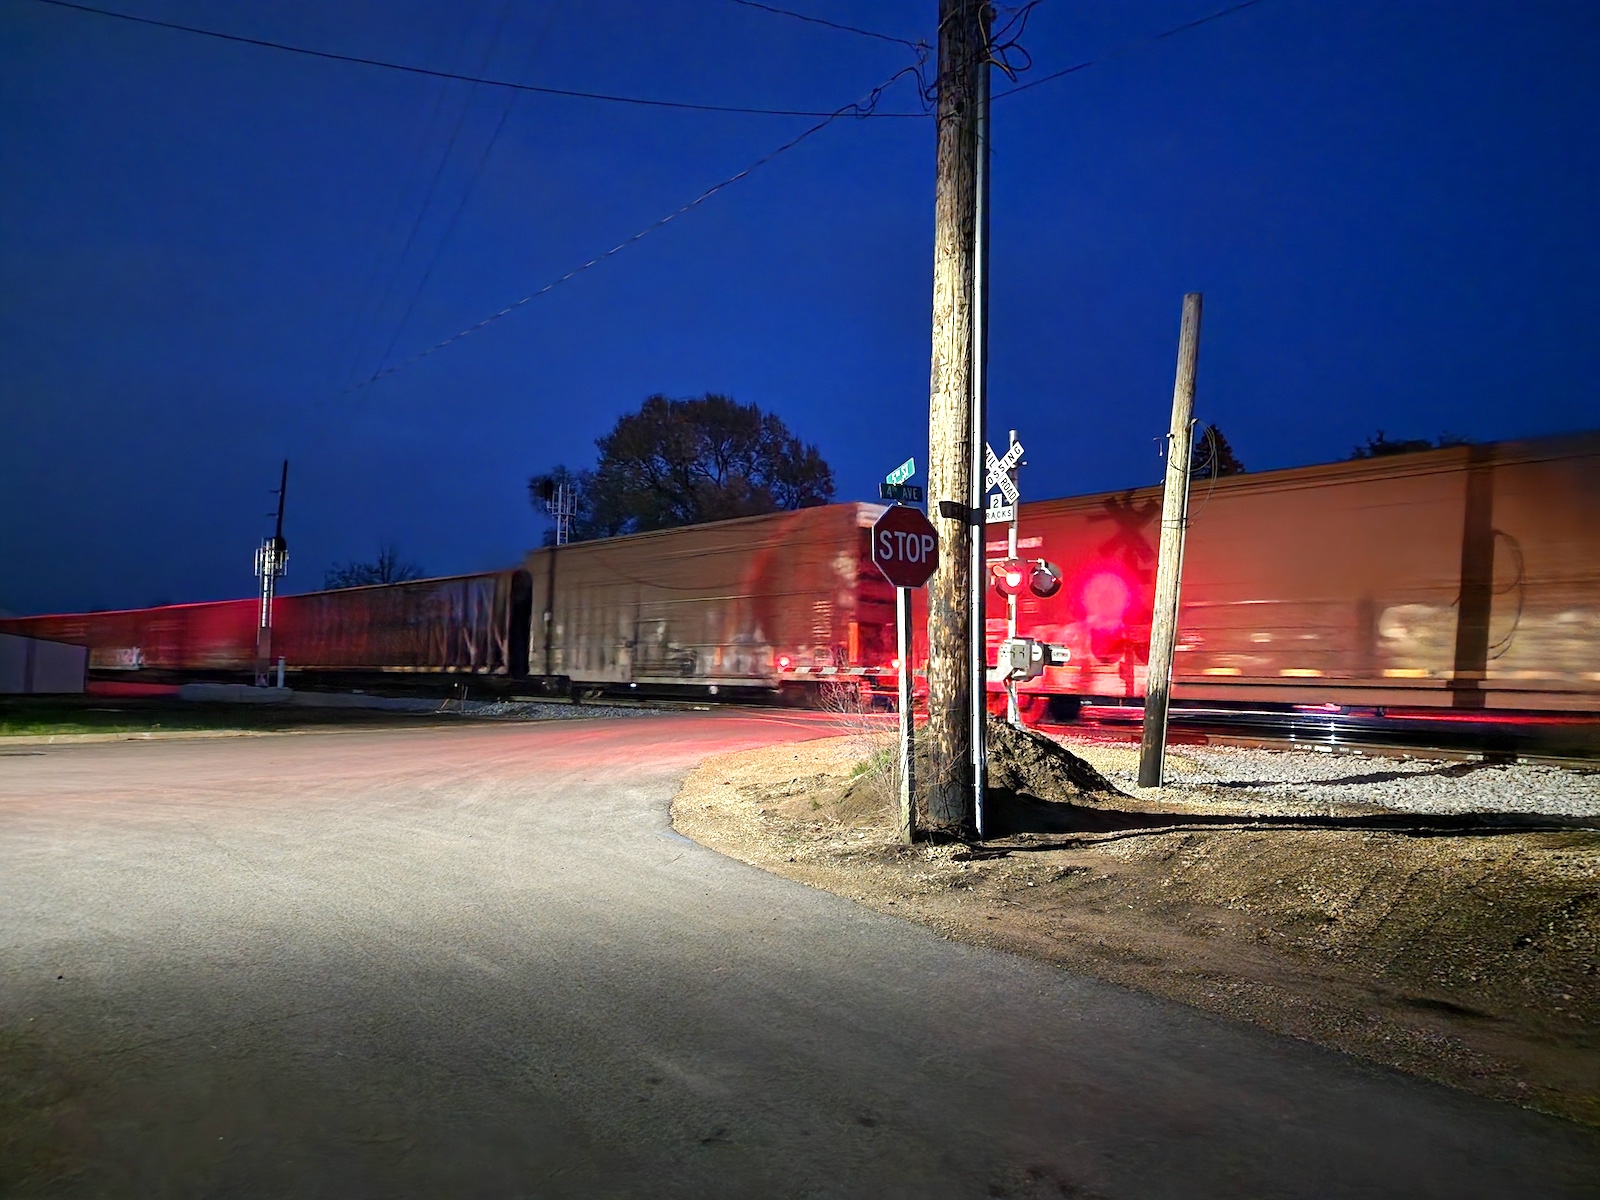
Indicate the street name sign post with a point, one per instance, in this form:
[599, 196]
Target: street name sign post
[905, 548]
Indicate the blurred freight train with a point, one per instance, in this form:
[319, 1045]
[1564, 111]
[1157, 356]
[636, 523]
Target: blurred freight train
[1464, 578]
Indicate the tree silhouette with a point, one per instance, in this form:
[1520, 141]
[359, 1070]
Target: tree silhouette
[388, 567]
[1213, 456]
[1380, 446]
[683, 462]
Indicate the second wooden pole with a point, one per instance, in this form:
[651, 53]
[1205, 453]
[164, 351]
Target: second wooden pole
[1169, 567]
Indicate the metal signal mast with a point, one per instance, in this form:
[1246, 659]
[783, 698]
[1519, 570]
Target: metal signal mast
[272, 562]
[561, 499]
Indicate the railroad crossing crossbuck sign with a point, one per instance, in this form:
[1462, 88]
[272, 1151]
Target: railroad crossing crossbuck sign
[1003, 504]
[905, 546]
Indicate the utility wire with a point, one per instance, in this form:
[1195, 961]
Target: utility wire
[362, 322]
[784, 12]
[433, 188]
[639, 100]
[862, 107]
[1131, 46]
[431, 73]
[375, 318]
[472, 183]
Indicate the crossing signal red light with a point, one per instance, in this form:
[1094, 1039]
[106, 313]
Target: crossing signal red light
[1011, 575]
[1017, 576]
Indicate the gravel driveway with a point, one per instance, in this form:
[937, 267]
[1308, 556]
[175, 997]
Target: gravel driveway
[477, 961]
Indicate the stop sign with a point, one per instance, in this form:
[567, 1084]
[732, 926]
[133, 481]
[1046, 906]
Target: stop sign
[905, 546]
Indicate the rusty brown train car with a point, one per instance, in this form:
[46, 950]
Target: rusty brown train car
[1466, 577]
[760, 603]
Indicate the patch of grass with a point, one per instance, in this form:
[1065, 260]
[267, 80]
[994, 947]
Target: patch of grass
[879, 762]
[27, 716]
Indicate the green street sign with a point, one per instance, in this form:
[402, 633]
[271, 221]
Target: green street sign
[903, 472]
[900, 493]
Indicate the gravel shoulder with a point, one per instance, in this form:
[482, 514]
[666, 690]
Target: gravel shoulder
[1470, 960]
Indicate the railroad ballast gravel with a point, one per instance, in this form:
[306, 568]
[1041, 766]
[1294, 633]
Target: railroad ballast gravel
[548, 710]
[1290, 780]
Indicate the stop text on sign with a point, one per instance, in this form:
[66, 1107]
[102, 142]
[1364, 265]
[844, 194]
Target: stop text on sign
[907, 547]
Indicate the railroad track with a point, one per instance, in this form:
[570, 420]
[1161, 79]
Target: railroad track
[1559, 739]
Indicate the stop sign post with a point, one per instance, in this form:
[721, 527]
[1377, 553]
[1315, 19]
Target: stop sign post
[905, 548]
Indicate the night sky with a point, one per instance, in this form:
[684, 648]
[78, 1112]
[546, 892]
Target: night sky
[1389, 205]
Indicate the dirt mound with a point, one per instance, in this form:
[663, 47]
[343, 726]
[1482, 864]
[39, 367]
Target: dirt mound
[1028, 764]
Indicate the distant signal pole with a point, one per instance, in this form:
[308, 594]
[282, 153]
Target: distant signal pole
[272, 561]
[955, 422]
[561, 499]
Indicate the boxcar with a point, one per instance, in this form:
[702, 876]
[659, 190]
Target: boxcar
[751, 603]
[1466, 577]
[466, 623]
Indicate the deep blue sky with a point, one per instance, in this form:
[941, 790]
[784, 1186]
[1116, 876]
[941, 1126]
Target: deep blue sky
[1389, 204]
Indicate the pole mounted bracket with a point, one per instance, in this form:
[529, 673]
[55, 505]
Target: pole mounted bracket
[953, 510]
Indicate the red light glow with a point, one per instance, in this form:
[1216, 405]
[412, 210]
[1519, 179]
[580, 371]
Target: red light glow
[783, 662]
[1105, 600]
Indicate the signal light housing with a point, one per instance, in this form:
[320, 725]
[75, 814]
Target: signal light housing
[1045, 580]
[1010, 575]
[1016, 576]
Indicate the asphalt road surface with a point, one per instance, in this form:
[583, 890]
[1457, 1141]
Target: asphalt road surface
[477, 961]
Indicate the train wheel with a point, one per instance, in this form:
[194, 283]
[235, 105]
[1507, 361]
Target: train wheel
[1033, 708]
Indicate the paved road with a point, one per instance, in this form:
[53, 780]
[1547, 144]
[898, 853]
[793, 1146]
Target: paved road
[478, 962]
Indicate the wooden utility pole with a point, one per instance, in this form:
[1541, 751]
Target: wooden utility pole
[1169, 567]
[977, 473]
[953, 443]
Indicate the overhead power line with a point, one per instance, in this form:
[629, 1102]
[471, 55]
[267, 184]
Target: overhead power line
[1131, 46]
[861, 108]
[433, 187]
[784, 12]
[642, 101]
[857, 108]
[455, 216]
[431, 73]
